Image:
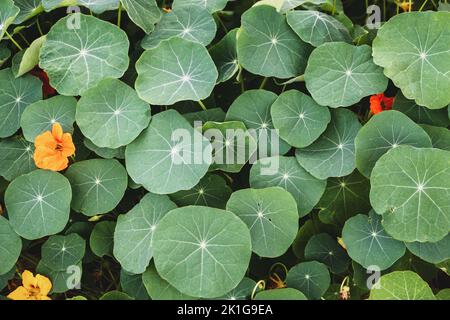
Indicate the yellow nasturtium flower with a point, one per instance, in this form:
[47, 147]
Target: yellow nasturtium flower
[33, 288]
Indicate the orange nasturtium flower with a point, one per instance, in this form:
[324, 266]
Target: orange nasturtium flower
[379, 102]
[52, 149]
[405, 5]
[33, 288]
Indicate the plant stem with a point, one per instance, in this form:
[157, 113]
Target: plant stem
[200, 102]
[221, 22]
[334, 8]
[119, 14]
[23, 38]
[423, 5]
[39, 27]
[263, 83]
[13, 41]
[410, 5]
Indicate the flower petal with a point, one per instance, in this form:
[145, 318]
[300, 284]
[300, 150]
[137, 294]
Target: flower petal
[57, 131]
[44, 284]
[20, 293]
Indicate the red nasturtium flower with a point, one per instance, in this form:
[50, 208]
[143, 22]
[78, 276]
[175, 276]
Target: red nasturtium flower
[52, 149]
[47, 89]
[379, 102]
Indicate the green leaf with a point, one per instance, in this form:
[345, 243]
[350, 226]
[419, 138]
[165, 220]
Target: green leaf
[115, 295]
[232, 145]
[203, 252]
[402, 285]
[343, 198]
[38, 204]
[243, 291]
[420, 53]
[101, 240]
[29, 59]
[62, 281]
[165, 163]
[299, 119]
[8, 12]
[322, 247]
[270, 214]
[421, 114]
[111, 114]
[28, 9]
[211, 5]
[40, 116]
[133, 237]
[224, 54]
[77, 59]
[214, 114]
[436, 252]
[333, 154]
[10, 246]
[98, 185]
[5, 53]
[312, 278]
[4, 278]
[160, 289]
[291, 4]
[281, 294]
[106, 153]
[253, 109]
[176, 70]
[144, 13]
[410, 187]
[440, 137]
[16, 158]
[99, 6]
[317, 28]
[444, 294]
[368, 244]
[211, 191]
[267, 46]
[61, 252]
[15, 96]
[133, 285]
[383, 132]
[305, 189]
[339, 74]
[191, 23]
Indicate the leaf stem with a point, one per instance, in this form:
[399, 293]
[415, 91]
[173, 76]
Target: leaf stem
[410, 5]
[423, 5]
[263, 83]
[119, 14]
[39, 26]
[13, 41]
[221, 22]
[334, 8]
[200, 102]
[23, 38]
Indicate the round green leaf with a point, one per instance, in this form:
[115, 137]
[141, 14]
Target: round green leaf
[133, 285]
[15, 96]
[440, 137]
[176, 70]
[333, 154]
[368, 244]
[232, 145]
[38, 204]
[100, 6]
[339, 74]
[10, 246]
[98, 185]
[8, 12]
[144, 13]
[436, 252]
[26, 60]
[76, 59]
[28, 9]
[211, 5]
[317, 28]
[133, 237]
[111, 114]
[444, 294]
[322, 247]
[267, 46]
[421, 114]
[305, 189]
[312, 278]
[343, 198]
[116, 295]
[101, 240]
[40, 116]
[243, 291]
[214, 114]
[5, 53]
[165, 163]
[106, 153]
[211, 191]
[203, 252]
[410, 188]
[402, 285]
[61, 252]
[5, 277]
[253, 109]
[281, 294]
[16, 157]
[270, 214]
[160, 289]
[384, 132]
[192, 23]
[299, 119]
[62, 281]
[420, 53]
[224, 54]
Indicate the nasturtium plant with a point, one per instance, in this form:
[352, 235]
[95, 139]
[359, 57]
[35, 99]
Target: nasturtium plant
[224, 150]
